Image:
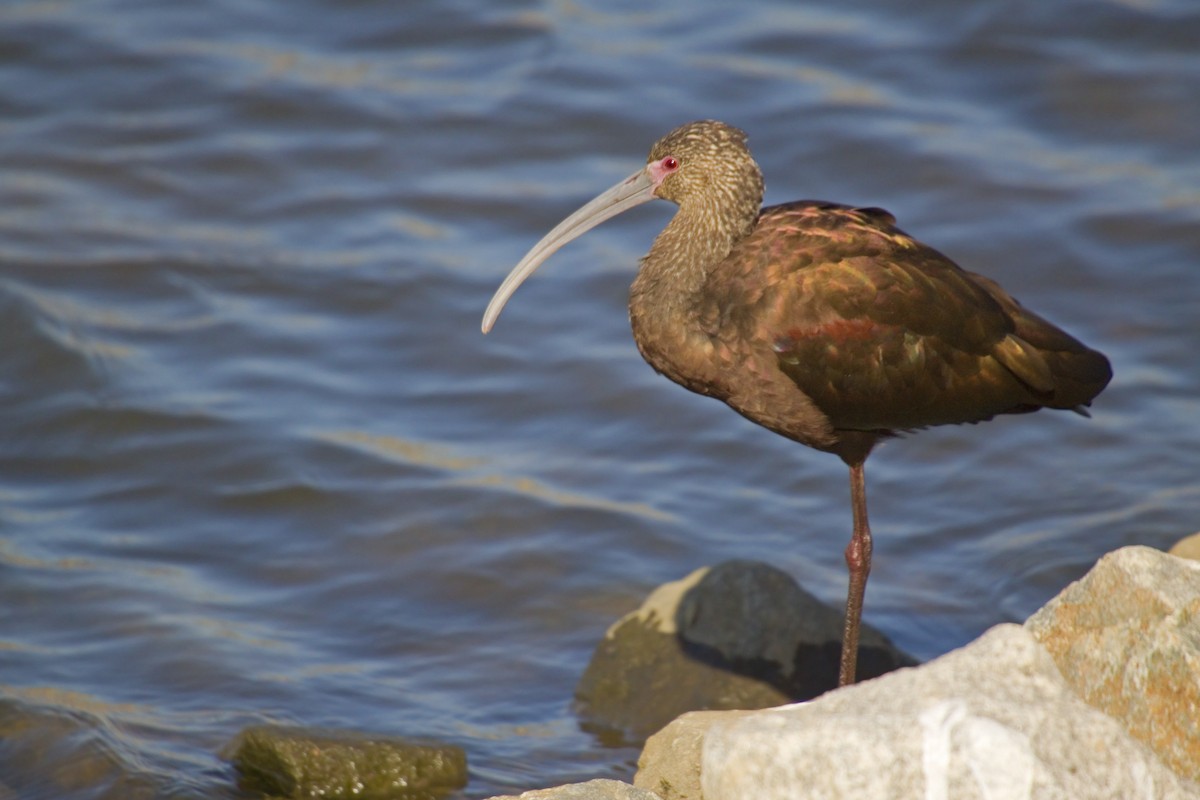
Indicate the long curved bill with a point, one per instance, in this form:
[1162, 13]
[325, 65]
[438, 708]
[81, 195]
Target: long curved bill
[638, 188]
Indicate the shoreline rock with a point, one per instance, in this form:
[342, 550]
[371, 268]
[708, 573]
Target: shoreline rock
[738, 635]
[1097, 696]
[1126, 637]
[294, 762]
[992, 719]
[599, 789]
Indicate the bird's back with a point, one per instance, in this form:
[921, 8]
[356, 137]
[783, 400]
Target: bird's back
[883, 333]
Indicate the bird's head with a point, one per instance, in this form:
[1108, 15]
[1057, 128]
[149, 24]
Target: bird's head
[711, 164]
[703, 165]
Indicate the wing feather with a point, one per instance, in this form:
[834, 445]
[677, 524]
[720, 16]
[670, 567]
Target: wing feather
[882, 332]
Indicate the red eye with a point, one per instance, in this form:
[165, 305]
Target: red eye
[670, 163]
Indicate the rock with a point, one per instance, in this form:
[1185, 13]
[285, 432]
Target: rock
[1127, 638]
[592, 790]
[1187, 547]
[303, 763]
[670, 762]
[61, 749]
[739, 635]
[992, 720]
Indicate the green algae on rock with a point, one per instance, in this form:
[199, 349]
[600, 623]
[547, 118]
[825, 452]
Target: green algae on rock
[307, 763]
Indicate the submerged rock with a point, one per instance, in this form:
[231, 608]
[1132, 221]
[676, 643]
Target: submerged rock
[740, 635]
[62, 750]
[1127, 638]
[303, 763]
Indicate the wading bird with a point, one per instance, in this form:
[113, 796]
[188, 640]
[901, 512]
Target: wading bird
[822, 322]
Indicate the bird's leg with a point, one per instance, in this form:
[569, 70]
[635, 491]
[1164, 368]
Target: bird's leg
[858, 559]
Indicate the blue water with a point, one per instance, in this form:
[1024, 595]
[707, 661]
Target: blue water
[258, 463]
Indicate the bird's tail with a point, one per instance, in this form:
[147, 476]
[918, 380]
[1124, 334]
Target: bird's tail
[1061, 370]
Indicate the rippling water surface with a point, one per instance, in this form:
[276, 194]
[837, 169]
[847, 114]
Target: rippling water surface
[258, 464]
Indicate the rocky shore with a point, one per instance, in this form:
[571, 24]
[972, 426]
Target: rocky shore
[1096, 696]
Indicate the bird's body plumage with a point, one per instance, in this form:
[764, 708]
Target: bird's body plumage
[878, 333]
[822, 322]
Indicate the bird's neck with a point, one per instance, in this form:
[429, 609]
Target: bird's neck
[673, 273]
[665, 295]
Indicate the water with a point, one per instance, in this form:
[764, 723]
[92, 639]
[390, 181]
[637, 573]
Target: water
[258, 464]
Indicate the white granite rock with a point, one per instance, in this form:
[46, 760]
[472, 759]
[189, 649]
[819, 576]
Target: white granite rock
[1127, 639]
[994, 721]
[670, 761]
[1187, 547]
[592, 790]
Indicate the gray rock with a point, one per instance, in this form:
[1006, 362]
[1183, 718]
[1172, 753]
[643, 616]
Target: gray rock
[757, 619]
[740, 635]
[992, 720]
[592, 790]
[1127, 639]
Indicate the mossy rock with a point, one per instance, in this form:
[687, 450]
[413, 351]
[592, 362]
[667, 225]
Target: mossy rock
[303, 763]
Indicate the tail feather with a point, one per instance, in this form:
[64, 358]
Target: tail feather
[1077, 373]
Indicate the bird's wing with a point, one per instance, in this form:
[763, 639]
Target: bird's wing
[1078, 372]
[880, 331]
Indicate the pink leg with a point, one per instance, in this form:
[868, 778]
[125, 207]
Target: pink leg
[858, 559]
